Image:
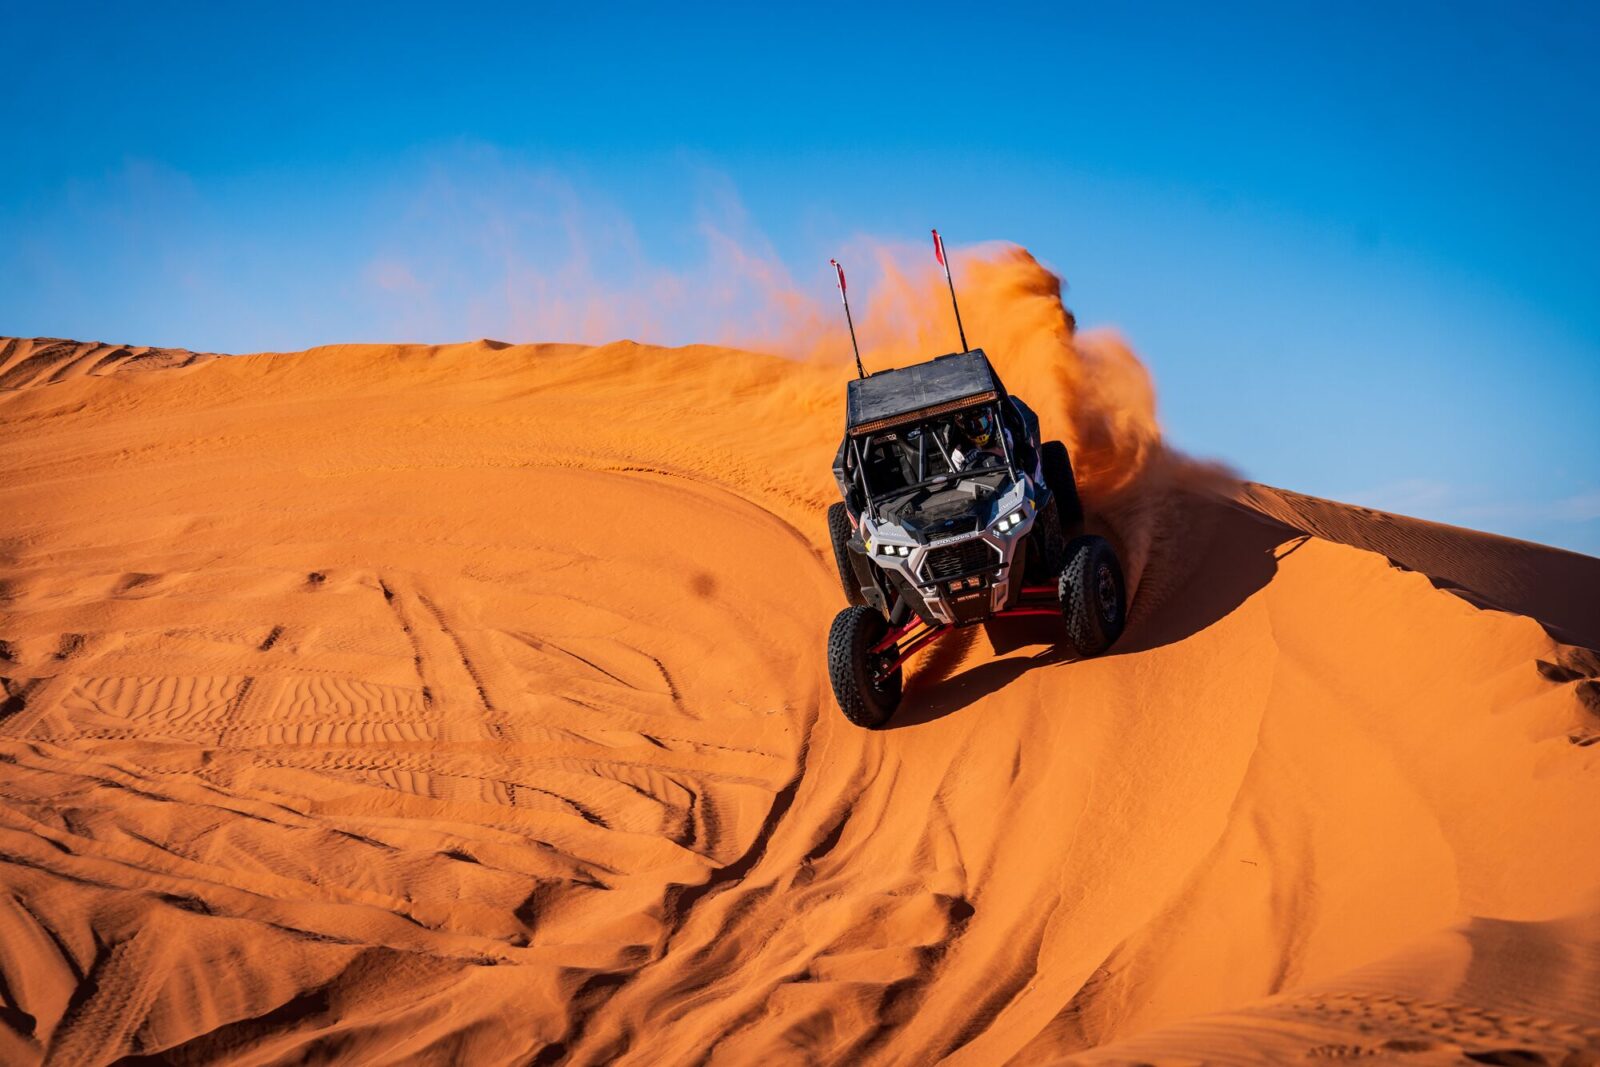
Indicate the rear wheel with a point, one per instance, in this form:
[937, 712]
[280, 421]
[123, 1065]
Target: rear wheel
[867, 693]
[1058, 476]
[1093, 596]
[840, 532]
[1047, 547]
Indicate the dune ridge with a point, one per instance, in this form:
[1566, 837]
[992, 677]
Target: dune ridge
[440, 703]
[30, 361]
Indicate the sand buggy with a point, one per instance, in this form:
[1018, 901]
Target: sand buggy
[954, 513]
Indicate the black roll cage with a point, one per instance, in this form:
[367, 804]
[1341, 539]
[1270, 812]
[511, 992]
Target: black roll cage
[859, 444]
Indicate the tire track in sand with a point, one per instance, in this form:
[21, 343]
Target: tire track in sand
[450, 679]
[115, 997]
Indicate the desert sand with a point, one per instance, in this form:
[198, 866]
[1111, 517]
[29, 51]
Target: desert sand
[466, 704]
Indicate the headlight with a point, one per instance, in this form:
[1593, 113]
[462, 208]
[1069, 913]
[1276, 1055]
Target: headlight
[1010, 522]
[894, 550]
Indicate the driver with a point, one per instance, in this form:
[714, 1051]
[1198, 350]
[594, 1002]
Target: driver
[977, 438]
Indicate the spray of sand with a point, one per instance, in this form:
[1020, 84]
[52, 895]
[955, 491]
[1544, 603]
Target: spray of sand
[1089, 387]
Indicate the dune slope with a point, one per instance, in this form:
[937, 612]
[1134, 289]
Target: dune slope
[466, 703]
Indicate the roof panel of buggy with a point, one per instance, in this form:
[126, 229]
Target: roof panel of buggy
[945, 383]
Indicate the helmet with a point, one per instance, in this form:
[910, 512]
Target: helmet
[977, 426]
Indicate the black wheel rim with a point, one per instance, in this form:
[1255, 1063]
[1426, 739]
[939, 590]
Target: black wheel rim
[1105, 589]
[877, 673]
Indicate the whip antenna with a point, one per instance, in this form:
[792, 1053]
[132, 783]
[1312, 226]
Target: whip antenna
[844, 296]
[938, 253]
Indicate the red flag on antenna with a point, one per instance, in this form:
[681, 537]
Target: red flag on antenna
[938, 252]
[840, 269]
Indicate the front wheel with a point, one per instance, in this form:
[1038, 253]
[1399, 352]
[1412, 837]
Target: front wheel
[866, 691]
[1093, 596]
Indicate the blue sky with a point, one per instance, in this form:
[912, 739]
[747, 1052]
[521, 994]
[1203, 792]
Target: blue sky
[1357, 244]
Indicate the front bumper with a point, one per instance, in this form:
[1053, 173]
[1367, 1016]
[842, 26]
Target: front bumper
[959, 595]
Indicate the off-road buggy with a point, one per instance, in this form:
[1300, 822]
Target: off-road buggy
[944, 525]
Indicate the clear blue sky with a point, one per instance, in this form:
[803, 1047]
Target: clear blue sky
[1359, 249]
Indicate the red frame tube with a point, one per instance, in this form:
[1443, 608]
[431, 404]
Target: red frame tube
[915, 645]
[893, 637]
[921, 638]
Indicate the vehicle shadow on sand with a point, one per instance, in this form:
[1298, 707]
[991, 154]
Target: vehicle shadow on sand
[1193, 579]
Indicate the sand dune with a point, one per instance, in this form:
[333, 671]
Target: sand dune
[466, 704]
[28, 361]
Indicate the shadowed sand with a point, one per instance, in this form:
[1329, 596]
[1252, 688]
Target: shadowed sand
[466, 704]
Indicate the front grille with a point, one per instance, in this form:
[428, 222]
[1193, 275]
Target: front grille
[953, 560]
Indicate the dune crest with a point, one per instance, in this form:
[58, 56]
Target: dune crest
[466, 703]
[33, 361]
